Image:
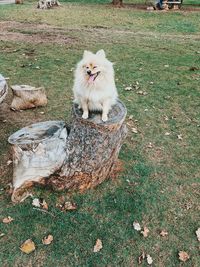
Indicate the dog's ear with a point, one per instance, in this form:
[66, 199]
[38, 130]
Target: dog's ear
[101, 53]
[87, 54]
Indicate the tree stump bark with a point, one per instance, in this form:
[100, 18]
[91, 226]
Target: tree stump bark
[25, 97]
[80, 160]
[92, 149]
[3, 88]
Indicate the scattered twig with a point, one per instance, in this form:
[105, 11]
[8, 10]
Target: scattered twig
[45, 211]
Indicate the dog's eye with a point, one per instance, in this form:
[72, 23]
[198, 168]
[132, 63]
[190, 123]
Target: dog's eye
[94, 67]
[87, 67]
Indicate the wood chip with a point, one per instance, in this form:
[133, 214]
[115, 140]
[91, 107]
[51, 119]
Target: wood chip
[149, 259]
[98, 246]
[137, 226]
[8, 162]
[198, 234]
[134, 130]
[180, 137]
[36, 202]
[128, 88]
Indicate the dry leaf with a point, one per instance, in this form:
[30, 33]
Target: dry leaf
[163, 233]
[47, 240]
[183, 256]
[145, 232]
[98, 246]
[137, 226]
[198, 234]
[28, 246]
[167, 133]
[67, 206]
[70, 205]
[149, 259]
[44, 205]
[7, 219]
[2, 234]
[141, 258]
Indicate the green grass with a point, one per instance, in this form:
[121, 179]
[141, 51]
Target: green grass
[157, 183]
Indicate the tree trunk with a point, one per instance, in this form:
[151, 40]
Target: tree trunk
[80, 161]
[25, 97]
[92, 149]
[118, 3]
[3, 88]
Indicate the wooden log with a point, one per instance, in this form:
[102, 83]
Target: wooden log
[92, 149]
[25, 97]
[3, 88]
[38, 151]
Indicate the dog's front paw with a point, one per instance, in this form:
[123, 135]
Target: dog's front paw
[85, 116]
[104, 118]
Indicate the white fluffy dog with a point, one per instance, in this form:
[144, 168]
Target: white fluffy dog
[94, 85]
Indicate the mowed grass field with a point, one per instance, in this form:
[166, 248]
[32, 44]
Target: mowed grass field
[158, 55]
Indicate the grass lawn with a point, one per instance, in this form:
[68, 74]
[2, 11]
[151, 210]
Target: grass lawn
[159, 186]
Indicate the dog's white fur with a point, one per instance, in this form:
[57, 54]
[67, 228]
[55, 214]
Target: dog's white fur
[97, 93]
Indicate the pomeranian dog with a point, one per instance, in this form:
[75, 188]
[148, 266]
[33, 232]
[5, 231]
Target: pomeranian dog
[94, 85]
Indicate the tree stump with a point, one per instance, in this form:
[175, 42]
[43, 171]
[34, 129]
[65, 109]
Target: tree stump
[3, 88]
[81, 160]
[25, 97]
[92, 149]
[46, 4]
[38, 151]
[19, 2]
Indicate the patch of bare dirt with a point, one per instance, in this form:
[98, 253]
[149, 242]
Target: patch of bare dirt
[33, 33]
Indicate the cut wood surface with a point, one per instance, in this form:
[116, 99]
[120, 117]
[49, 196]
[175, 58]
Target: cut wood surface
[38, 151]
[3, 88]
[25, 97]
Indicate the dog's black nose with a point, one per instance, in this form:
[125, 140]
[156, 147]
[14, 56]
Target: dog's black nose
[89, 72]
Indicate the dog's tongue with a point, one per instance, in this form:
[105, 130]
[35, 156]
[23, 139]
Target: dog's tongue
[91, 78]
